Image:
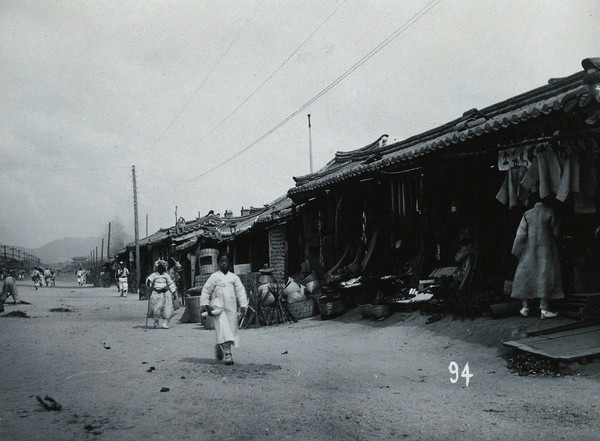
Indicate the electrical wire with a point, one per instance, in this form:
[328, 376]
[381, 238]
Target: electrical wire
[8, 168]
[415, 18]
[205, 79]
[267, 79]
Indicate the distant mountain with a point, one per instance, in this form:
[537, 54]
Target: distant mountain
[63, 250]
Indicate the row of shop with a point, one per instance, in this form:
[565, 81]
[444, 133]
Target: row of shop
[402, 210]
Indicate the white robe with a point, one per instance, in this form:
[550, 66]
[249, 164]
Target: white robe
[226, 292]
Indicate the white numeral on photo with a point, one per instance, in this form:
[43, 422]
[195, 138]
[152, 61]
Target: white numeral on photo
[466, 374]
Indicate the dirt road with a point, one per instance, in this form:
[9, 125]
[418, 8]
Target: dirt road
[314, 380]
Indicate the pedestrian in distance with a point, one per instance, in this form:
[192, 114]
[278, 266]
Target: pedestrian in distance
[47, 276]
[80, 273]
[123, 276]
[162, 287]
[9, 288]
[222, 295]
[36, 277]
[173, 270]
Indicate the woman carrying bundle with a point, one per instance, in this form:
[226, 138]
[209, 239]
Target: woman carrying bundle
[160, 304]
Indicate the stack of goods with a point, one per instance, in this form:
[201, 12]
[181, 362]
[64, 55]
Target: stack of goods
[330, 303]
[296, 301]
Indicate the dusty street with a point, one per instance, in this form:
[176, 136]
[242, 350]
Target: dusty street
[314, 380]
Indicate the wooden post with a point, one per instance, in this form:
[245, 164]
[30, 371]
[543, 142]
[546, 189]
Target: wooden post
[102, 252]
[108, 243]
[137, 234]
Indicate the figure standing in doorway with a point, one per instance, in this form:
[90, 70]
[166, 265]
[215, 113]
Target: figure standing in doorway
[538, 272]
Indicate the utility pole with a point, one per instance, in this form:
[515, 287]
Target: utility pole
[108, 244]
[146, 224]
[310, 145]
[175, 214]
[96, 256]
[137, 234]
[102, 252]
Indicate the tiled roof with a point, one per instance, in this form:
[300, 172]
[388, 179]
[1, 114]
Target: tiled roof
[279, 209]
[566, 94]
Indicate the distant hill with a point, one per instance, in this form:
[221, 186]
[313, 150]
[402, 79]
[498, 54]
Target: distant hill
[63, 250]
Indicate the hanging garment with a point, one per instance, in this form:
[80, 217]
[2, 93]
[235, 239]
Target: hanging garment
[538, 272]
[549, 172]
[588, 179]
[569, 181]
[509, 192]
[528, 184]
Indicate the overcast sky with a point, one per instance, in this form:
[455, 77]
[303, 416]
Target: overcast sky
[176, 88]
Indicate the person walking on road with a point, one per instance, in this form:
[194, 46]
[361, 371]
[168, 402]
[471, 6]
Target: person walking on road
[173, 270]
[9, 288]
[36, 276]
[80, 273]
[123, 276]
[221, 296]
[160, 303]
[47, 276]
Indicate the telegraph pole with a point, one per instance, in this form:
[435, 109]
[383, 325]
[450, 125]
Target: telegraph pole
[102, 252]
[310, 145]
[108, 243]
[146, 224]
[137, 234]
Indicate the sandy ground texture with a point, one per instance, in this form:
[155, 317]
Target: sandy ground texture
[342, 379]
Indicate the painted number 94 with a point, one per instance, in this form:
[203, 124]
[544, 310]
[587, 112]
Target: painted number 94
[454, 369]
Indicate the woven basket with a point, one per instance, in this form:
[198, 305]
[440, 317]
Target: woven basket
[330, 308]
[302, 309]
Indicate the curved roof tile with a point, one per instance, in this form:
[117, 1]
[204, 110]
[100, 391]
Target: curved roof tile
[557, 95]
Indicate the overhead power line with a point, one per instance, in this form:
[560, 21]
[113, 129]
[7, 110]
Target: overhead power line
[416, 17]
[268, 78]
[205, 79]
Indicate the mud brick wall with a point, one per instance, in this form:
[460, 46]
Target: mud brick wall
[278, 251]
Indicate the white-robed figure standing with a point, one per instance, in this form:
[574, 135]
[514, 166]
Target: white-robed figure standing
[160, 304]
[222, 295]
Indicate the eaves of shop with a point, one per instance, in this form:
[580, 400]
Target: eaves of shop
[577, 92]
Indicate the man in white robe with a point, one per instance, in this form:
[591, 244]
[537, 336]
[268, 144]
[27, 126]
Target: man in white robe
[221, 296]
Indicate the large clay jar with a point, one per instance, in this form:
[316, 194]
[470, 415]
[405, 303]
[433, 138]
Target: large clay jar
[265, 294]
[290, 287]
[266, 275]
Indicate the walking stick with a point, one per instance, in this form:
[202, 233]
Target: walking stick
[147, 309]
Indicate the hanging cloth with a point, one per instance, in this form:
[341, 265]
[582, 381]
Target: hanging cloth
[588, 179]
[569, 181]
[509, 192]
[549, 172]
